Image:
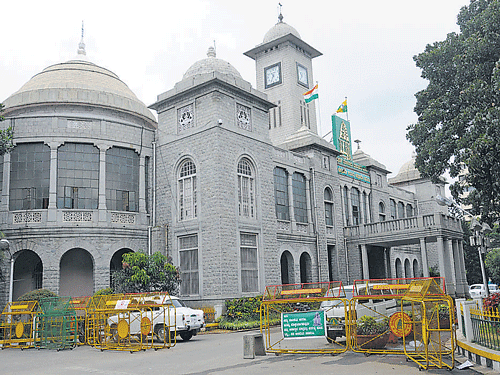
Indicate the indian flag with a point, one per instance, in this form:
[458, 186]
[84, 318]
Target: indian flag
[311, 94]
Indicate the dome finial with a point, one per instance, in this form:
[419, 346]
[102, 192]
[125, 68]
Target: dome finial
[357, 141]
[211, 52]
[280, 17]
[81, 46]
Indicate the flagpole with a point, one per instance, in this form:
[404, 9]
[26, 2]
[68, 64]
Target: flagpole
[319, 111]
[347, 112]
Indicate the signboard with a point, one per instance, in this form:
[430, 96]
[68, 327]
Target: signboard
[400, 324]
[303, 324]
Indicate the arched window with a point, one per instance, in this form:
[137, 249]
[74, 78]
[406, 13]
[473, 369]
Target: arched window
[355, 206]
[281, 193]
[299, 197]
[346, 206]
[328, 207]
[409, 210]
[393, 209]
[366, 216]
[381, 211]
[399, 268]
[187, 191]
[401, 210]
[246, 189]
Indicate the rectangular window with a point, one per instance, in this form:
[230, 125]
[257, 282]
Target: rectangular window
[249, 263]
[281, 194]
[299, 197]
[29, 198]
[70, 197]
[188, 265]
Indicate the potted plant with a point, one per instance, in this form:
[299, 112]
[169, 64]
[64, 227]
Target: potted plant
[372, 334]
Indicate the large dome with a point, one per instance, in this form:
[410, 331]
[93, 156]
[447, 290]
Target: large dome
[81, 82]
[211, 64]
[279, 30]
[407, 172]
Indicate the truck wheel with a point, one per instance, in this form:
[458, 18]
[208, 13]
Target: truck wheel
[160, 332]
[331, 337]
[186, 335]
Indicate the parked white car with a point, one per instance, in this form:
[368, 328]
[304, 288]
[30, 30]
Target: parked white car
[479, 291]
[188, 321]
[335, 310]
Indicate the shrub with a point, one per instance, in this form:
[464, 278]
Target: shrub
[103, 292]
[492, 302]
[368, 325]
[37, 295]
[243, 309]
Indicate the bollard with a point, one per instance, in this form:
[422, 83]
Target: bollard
[253, 344]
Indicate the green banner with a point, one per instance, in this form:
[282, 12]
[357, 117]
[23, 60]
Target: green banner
[299, 325]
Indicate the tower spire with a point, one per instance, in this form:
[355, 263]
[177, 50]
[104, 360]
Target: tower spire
[81, 45]
[280, 17]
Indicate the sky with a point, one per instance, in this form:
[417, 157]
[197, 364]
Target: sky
[368, 48]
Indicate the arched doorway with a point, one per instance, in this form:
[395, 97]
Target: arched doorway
[28, 272]
[407, 269]
[115, 263]
[305, 268]
[416, 271]
[76, 273]
[287, 268]
[399, 268]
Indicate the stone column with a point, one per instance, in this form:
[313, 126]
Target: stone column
[452, 264]
[440, 249]
[423, 252]
[461, 280]
[364, 260]
[462, 266]
[102, 182]
[52, 209]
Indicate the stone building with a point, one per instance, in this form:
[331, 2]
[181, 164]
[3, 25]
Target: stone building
[232, 182]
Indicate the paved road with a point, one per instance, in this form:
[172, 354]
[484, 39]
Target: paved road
[205, 354]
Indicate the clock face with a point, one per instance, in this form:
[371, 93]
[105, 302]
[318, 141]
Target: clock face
[272, 75]
[302, 75]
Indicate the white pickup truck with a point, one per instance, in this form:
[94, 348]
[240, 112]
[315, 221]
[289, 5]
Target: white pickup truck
[335, 309]
[160, 319]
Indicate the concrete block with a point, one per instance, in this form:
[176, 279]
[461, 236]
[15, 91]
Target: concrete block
[253, 344]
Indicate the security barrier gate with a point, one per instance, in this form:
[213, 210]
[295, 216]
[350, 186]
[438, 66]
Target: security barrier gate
[432, 318]
[132, 322]
[298, 306]
[382, 316]
[81, 304]
[56, 324]
[17, 324]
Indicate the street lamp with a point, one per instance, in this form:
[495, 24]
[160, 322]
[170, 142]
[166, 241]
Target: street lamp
[478, 239]
[5, 246]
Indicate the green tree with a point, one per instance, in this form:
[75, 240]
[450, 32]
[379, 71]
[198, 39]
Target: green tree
[6, 136]
[492, 260]
[146, 273]
[459, 111]
[471, 257]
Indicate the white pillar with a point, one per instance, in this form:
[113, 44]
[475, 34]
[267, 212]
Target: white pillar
[364, 260]
[423, 252]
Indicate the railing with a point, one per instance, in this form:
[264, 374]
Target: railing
[486, 327]
[415, 222]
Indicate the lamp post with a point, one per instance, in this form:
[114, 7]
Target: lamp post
[5, 246]
[478, 239]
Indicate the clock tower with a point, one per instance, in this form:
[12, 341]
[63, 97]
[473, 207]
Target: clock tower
[284, 72]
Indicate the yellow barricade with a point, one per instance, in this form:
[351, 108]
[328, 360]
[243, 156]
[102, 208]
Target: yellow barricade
[132, 322]
[17, 324]
[299, 308]
[432, 321]
[81, 304]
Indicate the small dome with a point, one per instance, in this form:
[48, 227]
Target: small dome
[78, 81]
[211, 64]
[407, 172]
[279, 30]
